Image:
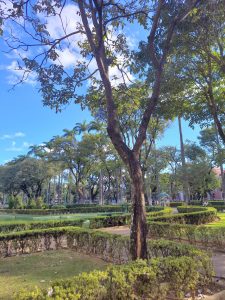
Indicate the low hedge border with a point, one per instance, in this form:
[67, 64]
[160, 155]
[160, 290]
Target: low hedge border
[191, 209]
[182, 267]
[210, 202]
[176, 203]
[92, 222]
[79, 209]
[200, 216]
[213, 238]
[54, 211]
[155, 279]
[111, 247]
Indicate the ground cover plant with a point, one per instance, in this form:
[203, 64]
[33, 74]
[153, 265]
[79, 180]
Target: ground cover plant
[155, 279]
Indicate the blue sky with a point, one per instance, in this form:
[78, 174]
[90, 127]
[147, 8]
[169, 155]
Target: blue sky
[24, 121]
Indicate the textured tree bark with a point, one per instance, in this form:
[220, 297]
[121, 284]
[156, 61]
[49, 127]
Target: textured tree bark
[138, 236]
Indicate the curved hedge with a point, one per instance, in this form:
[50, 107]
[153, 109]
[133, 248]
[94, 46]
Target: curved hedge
[208, 237]
[218, 204]
[196, 215]
[78, 209]
[177, 203]
[179, 268]
[91, 222]
[54, 211]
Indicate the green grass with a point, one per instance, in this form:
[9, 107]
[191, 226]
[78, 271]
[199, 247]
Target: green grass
[218, 223]
[12, 218]
[40, 269]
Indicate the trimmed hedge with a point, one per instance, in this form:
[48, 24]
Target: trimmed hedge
[219, 205]
[79, 209]
[191, 209]
[110, 247]
[97, 242]
[209, 237]
[210, 202]
[176, 204]
[155, 279]
[92, 222]
[205, 215]
[52, 211]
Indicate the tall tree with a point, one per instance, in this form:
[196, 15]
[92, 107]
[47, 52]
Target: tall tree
[100, 39]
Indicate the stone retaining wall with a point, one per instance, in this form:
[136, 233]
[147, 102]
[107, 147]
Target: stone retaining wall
[107, 249]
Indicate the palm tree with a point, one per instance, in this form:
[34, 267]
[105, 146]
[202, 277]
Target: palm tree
[95, 126]
[81, 127]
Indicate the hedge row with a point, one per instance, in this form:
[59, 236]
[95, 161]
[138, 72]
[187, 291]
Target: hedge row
[52, 211]
[111, 247]
[79, 209]
[92, 222]
[206, 236]
[176, 204]
[210, 202]
[155, 279]
[218, 204]
[191, 209]
[205, 215]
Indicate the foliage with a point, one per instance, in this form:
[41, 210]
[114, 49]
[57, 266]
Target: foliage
[24, 174]
[176, 204]
[137, 280]
[15, 202]
[208, 236]
[198, 215]
[40, 269]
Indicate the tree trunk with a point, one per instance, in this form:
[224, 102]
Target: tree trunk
[184, 171]
[101, 196]
[138, 233]
[221, 164]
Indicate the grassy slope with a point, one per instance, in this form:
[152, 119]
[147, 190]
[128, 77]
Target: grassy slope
[27, 271]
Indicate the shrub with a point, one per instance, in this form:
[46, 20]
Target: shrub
[31, 204]
[206, 236]
[191, 209]
[134, 281]
[176, 204]
[39, 202]
[15, 202]
[200, 215]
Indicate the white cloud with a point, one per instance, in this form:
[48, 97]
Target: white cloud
[16, 75]
[19, 134]
[15, 148]
[67, 57]
[69, 19]
[69, 52]
[12, 136]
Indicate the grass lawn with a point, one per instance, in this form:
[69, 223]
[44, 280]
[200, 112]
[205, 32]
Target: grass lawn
[218, 223]
[17, 218]
[40, 269]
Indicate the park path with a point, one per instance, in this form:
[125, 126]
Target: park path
[218, 258]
